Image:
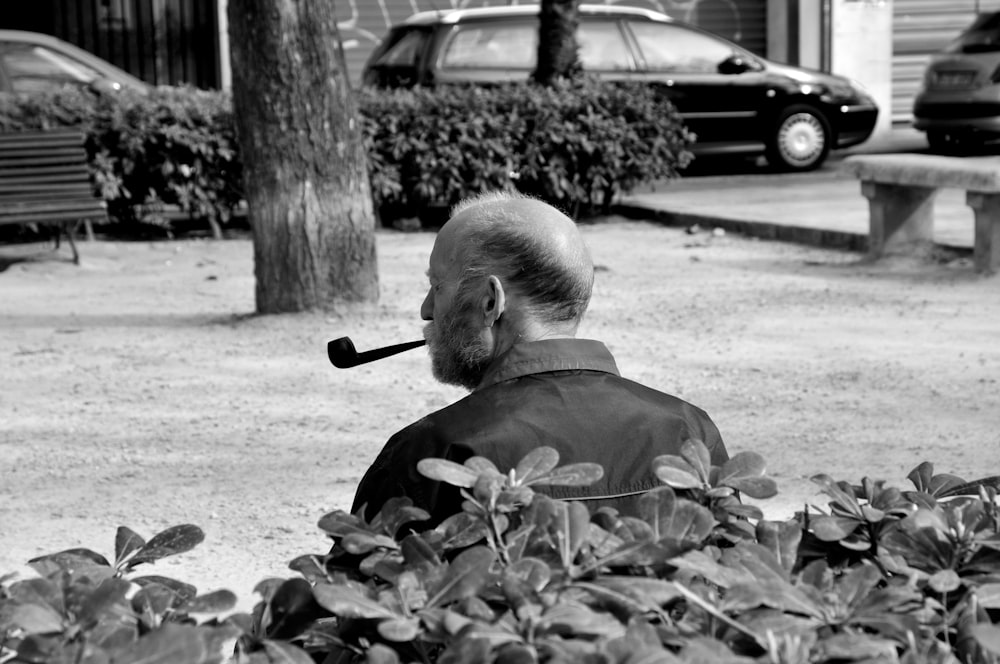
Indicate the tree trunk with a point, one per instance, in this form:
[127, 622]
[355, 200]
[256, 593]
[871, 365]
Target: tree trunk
[310, 204]
[557, 51]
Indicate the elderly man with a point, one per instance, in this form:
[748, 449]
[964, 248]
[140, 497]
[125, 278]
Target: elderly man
[510, 280]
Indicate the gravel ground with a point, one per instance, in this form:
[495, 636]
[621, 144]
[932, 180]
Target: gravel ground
[139, 389]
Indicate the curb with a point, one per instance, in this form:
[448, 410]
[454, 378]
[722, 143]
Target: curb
[765, 230]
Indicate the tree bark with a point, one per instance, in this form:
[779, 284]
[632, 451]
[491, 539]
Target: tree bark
[557, 50]
[305, 170]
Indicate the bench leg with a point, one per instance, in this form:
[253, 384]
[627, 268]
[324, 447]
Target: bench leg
[70, 232]
[986, 250]
[901, 218]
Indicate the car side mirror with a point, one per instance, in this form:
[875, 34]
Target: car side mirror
[736, 64]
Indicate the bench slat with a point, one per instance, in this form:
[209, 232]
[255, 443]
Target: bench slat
[70, 151]
[49, 137]
[68, 177]
[54, 211]
[40, 198]
[7, 189]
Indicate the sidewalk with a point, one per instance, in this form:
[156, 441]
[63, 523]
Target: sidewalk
[822, 208]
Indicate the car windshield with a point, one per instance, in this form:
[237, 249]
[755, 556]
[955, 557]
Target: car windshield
[982, 36]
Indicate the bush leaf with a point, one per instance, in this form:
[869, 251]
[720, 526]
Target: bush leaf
[574, 474]
[675, 472]
[126, 541]
[466, 575]
[535, 464]
[346, 602]
[448, 472]
[696, 454]
[171, 541]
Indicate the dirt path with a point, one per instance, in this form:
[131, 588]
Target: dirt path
[137, 390]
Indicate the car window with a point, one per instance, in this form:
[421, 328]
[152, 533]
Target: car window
[405, 52]
[507, 46]
[33, 68]
[602, 47]
[673, 48]
[983, 36]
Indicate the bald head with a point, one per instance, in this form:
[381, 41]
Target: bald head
[534, 249]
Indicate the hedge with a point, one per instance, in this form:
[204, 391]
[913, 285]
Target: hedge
[576, 146]
[882, 575]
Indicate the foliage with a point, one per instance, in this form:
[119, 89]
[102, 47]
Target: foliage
[172, 148]
[881, 575]
[575, 145]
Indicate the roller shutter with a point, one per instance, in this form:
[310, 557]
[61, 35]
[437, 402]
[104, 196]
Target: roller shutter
[920, 28]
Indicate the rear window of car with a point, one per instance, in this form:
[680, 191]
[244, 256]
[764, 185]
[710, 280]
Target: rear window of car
[601, 44]
[403, 49]
[602, 47]
[672, 48]
[983, 36]
[484, 46]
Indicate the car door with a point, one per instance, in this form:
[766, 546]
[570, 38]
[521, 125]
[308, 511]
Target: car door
[718, 88]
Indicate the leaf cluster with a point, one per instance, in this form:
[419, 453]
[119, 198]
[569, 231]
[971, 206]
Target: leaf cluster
[878, 575]
[576, 145]
[171, 148]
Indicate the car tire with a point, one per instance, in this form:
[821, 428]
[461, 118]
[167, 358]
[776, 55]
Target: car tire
[800, 140]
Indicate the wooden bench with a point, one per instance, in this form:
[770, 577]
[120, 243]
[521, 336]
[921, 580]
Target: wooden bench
[900, 189]
[44, 179]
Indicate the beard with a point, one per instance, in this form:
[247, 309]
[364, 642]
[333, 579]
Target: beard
[459, 356]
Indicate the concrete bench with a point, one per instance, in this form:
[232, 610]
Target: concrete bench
[900, 189]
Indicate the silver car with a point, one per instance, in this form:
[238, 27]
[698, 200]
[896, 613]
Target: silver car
[32, 62]
[959, 104]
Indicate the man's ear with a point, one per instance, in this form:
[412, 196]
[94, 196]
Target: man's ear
[494, 301]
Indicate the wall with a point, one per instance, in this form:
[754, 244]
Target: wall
[861, 48]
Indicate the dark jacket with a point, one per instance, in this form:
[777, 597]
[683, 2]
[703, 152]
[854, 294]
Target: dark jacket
[563, 393]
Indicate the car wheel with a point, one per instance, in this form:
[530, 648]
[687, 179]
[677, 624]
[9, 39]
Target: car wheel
[800, 141]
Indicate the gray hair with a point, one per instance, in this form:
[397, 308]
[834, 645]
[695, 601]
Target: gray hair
[503, 241]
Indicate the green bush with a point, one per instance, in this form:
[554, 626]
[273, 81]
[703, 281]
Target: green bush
[174, 147]
[576, 145]
[884, 575]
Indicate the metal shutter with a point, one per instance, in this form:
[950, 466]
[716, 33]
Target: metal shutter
[920, 28]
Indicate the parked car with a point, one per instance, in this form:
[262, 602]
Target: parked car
[32, 62]
[958, 105]
[733, 100]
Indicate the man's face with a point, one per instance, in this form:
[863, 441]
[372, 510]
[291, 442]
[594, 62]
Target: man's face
[459, 351]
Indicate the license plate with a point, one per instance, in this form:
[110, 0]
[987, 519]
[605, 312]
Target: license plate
[954, 79]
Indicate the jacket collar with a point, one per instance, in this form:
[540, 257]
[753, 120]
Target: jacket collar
[534, 357]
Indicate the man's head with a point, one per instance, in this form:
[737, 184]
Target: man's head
[505, 268]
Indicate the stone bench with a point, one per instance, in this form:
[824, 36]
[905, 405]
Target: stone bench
[900, 189]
